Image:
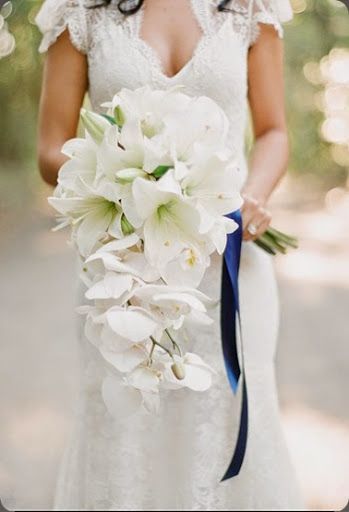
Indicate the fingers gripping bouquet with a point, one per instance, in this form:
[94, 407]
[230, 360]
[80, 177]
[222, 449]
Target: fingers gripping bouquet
[145, 193]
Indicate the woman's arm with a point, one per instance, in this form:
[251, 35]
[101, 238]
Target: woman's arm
[63, 90]
[270, 153]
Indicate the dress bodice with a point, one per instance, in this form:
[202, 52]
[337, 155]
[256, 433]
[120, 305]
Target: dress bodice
[118, 57]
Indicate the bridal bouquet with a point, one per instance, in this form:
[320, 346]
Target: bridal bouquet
[146, 193]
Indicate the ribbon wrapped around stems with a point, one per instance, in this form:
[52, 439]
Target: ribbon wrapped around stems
[230, 326]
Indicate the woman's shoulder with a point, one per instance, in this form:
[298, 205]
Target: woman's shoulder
[79, 17]
[249, 14]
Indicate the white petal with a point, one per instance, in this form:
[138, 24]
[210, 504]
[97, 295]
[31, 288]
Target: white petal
[197, 378]
[144, 379]
[126, 361]
[112, 286]
[129, 208]
[168, 183]
[195, 360]
[162, 241]
[93, 332]
[119, 245]
[132, 324]
[112, 341]
[148, 197]
[91, 230]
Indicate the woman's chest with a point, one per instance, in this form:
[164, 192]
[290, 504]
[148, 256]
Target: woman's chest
[216, 67]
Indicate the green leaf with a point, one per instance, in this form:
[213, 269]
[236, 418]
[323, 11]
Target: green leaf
[109, 118]
[161, 170]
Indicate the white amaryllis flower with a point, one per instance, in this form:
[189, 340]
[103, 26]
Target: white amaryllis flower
[81, 166]
[93, 217]
[197, 374]
[148, 107]
[203, 125]
[212, 185]
[170, 224]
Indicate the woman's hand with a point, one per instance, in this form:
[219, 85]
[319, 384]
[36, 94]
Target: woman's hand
[255, 218]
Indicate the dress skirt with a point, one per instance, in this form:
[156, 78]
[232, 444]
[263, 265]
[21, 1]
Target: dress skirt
[175, 461]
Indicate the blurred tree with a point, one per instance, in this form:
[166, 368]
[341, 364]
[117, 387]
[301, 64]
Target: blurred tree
[318, 26]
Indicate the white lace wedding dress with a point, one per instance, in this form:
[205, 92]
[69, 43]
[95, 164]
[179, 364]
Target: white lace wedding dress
[175, 461]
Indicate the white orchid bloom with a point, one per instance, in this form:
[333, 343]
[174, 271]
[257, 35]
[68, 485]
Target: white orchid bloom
[112, 286]
[168, 304]
[126, 261]
[94, 322]
[123, 354]
[170, 223]
[93, 269]
[197, 374]
[187, 269]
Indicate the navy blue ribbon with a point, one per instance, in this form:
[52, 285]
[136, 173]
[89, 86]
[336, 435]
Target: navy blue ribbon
[230, 323]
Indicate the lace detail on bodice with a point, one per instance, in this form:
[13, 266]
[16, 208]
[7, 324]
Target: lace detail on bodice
[55, 16]
[86, 25]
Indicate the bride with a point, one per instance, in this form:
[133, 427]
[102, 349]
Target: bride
[231, 51]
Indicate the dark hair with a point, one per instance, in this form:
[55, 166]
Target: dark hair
[129, 7]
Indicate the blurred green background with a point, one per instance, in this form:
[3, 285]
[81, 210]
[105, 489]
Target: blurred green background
[37, 272]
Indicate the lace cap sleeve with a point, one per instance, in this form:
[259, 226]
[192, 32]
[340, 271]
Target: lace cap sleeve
[55, 16]
[271, 12]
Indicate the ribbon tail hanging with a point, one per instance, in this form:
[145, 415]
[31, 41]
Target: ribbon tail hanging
[230, 326]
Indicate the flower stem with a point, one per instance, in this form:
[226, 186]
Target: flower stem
[156, 343]
[174, 343]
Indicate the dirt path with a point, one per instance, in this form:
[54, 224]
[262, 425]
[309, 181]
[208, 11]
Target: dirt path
[38, 366]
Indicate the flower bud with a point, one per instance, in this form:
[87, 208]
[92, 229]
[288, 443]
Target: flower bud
[178, 371]
[127, 228]
[95, 124]
[129, 175]
[119, 116]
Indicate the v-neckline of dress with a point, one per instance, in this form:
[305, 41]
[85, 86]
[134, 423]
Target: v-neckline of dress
[154, 56]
